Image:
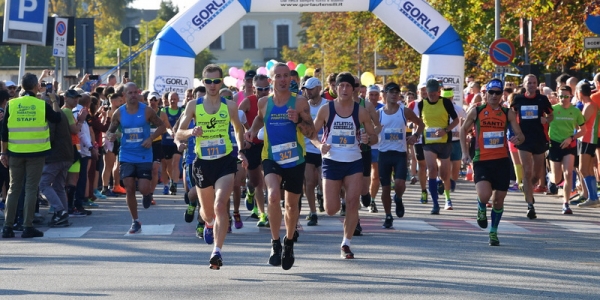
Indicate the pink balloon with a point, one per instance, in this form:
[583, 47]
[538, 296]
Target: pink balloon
[291, 65]
[241, 74]
[240, 83]
[233, 71]
[262, 71]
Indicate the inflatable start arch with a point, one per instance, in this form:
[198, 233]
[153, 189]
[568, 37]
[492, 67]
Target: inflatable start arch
[192, 30]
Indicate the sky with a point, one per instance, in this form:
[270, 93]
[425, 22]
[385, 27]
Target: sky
[155, 4]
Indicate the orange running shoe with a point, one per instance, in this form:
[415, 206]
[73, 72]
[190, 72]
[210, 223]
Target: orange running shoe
[119, 190]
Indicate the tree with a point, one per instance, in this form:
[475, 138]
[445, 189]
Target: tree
[167, 10]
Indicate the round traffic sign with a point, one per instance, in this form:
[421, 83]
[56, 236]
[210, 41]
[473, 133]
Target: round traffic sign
[130, 36]
[502, 52]
[61, 28]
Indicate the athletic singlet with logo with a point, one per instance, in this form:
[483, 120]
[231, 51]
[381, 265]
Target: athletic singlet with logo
[310, 148]
[591, 126]
[135, 130]
[167, 139]
[436, 116]
[214, 142]
[490, 130]
[284, 143]
[153, 129]
[252, 113]
[342, 133]
[393, 134]
[529, 111]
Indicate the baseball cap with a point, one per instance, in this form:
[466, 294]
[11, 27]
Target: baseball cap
[312, 82]
[373, 88]
[72, 94]
[9, 83]
[433, 85]
[153, 95]
[391, 86]
[250, 74]
[585, 87]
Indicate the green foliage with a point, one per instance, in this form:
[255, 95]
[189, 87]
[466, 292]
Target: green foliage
[167, 10]
[248, 65]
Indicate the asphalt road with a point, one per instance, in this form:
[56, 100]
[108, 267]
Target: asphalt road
[424, 256]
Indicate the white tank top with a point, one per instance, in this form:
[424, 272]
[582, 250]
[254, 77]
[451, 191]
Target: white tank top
[393, 134]
[310, 148]
[342, 134]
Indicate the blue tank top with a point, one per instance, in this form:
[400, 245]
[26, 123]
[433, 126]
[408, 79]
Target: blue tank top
[135, 130]
[284, 143]
[166, 138]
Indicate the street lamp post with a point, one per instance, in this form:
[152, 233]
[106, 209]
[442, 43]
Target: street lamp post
[316, 46]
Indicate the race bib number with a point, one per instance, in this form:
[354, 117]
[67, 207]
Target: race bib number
[213, 149]
[393, 134]
[343, 138]
[133, 135]
[430, 134]
[285, 153]
[493, 139]
[529, 112]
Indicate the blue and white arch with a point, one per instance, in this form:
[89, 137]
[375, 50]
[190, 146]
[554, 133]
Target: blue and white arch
[415, 21]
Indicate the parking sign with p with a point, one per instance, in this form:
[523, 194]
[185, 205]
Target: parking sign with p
[25, 22]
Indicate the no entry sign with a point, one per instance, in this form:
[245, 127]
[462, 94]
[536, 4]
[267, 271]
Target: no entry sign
[502, 52]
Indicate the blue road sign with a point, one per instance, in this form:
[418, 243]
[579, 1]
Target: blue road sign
[26, 21]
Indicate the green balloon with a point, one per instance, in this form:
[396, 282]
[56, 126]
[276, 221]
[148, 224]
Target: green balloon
[301, 69]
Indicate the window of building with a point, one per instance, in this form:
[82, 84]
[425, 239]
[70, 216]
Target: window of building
[217, 44]
[249, 34]
[283, 32]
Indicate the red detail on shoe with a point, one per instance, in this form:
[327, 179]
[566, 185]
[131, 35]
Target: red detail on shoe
[346, 253]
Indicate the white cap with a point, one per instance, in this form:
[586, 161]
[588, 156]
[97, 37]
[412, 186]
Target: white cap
[312, 82]
[153, 95]
[9, 83]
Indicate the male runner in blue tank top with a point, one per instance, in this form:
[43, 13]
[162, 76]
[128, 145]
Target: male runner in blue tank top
[286, 118]
[342, 159]
[135, 154]
[214, 167]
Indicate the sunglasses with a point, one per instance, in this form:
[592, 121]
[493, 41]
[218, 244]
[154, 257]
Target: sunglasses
[262, 89]
[564, 96]
[228, 97]
[212, 80]
[494, 92]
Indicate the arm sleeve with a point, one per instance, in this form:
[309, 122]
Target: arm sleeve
[450, 108]
[51, 115]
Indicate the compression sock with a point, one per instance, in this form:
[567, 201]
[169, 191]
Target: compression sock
[519, 173]
[480, 205]
[590, 184]
[496, 216]
[447, 195]
[433, 190]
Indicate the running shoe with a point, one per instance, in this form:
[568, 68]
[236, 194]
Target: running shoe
[136, 227]
[365, 199]
[448, 205]
[237, 221]
[7, 232]
[77, 213]
[117, 189]
[313, 220]
[399, 206]
[59, 219]
[346, 253]
[413, 180]
[200, 230]
[275, 258]
[98, 194]
[216, 261]
[343, 210]
[488, 204]
[263, 220]
[482, 218]
[573, 194]
[250, 201]
[566, 210]
[531, 213]
[287, 258]
[165, 190]
[389, 222]
[424, 197]
[188, 215]
[108, 193]
[209, 237]
[90, 204]
[579, 200]
[31, 232]
[494, 239]
[373, 207]
[513, 188]
[589, 203]
[153, 202]
[539, 189]
[147, 201]
[255, 214]
[173, 189]
[435, 210]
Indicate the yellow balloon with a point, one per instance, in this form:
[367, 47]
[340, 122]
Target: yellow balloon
[367, 78]
[310, 72]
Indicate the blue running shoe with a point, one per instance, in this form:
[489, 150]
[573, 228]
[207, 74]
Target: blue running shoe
[136, 227]
[249, 201]
[98, 194]
[435, 210]
[209, 237]
[166, 190]
[216, 261]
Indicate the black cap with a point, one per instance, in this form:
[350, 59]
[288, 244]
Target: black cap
[72, 94]
[250, 74]
[391, 86]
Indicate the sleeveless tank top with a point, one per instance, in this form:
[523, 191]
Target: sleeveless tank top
[284, 143]
[215, 141]
[153, 128]
[252, 113]
[342, 133]
[435, 117]
[591, 126]
[393, 136]
[490, 130]
[135, 130]
[167, 139]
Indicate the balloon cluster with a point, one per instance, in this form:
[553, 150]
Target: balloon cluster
[301, 68]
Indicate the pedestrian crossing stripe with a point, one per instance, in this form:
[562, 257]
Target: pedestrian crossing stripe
[66, 232]
[166, 229]
[504, 227]
[580, 227]
[325, 225]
